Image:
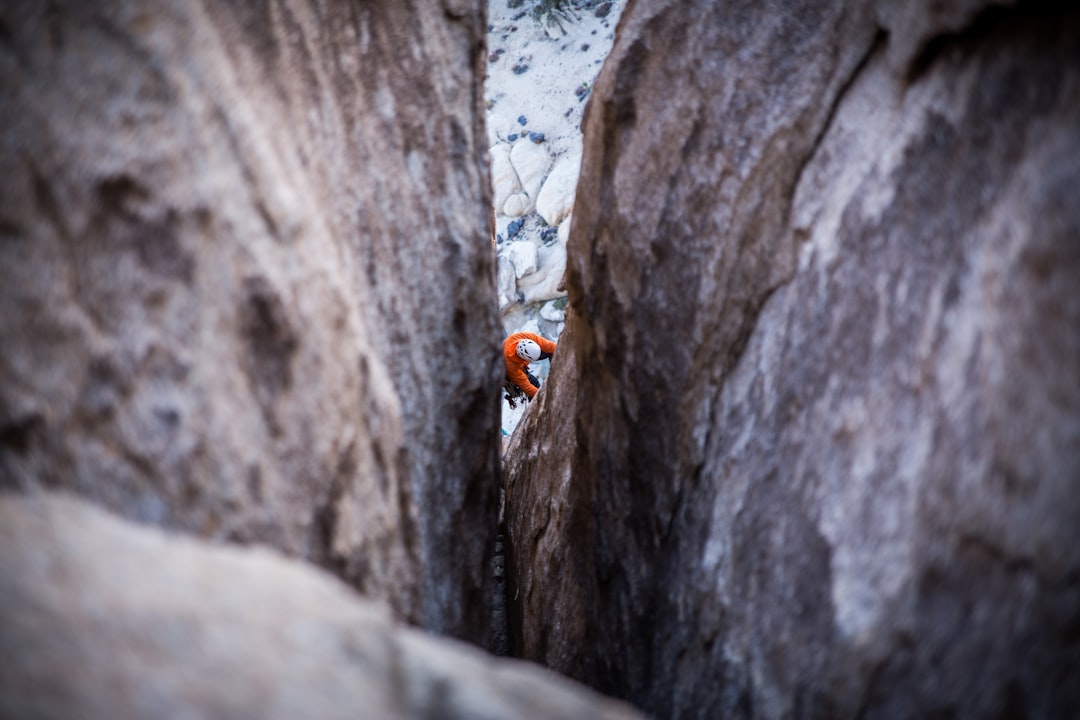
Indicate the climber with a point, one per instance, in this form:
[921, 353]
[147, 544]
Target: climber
[519, 350]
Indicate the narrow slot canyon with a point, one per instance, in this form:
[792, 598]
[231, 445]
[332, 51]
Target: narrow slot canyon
[808, 446]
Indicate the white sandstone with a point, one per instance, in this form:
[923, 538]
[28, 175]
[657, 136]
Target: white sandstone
[564, 229]
[504, 180]
[531, 162]
[552, 312]
[556, 198]
[507, 282]
[524, 256]
[544, 283]
[517, 205]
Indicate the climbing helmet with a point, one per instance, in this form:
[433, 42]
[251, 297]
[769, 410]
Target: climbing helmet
[528, 350]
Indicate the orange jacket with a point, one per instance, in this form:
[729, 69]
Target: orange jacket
[515, 366]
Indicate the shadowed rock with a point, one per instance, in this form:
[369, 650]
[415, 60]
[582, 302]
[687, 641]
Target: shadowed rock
[234, 238]
[809, 447]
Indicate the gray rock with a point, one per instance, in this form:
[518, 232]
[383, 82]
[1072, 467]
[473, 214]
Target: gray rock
[224, 281]
[809, 447]
[105, 619]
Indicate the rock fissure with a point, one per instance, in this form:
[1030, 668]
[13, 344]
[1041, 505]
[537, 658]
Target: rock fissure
[807, 448]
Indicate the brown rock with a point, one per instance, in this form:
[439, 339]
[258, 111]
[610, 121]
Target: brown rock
[105, 619]
[236, 240]
[809, 447]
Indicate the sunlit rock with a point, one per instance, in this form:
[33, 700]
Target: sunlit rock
[524, 257]
[531, 162]
[556, 198]
[504, 179]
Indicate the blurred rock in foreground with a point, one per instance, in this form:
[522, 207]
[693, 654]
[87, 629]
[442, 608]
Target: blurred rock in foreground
[102, 619]
[234, 237]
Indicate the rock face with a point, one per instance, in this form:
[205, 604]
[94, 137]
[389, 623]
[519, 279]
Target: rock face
[810, 444]
[234, 238]
[104, 619]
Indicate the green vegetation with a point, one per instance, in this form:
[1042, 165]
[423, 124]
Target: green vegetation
[554, 12]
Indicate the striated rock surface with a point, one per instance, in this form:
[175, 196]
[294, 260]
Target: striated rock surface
[104, 619]
[810, 444]
[234, 237]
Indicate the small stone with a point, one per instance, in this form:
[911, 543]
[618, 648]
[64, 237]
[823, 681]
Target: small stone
[514, 228]
[517, 205]
[522, 120]
[554, 311]
[536, 137]
[511, 4]
[512, 137]
[603, 9]
[519, 68]
[584, 47]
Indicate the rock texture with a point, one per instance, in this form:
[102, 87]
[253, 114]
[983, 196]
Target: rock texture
[234, 238]
[809, 446]
[105, 619]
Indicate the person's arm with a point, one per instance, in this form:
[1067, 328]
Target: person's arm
[517, 376]
[546, 346]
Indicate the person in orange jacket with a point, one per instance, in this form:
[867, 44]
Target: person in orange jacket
[519, 350]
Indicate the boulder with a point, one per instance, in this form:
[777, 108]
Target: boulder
[564, 230]
[553, 312]
[507, 281]
[809, 444]
[224, 277]
[531, 162]
[105, 619]
[543, 284]
[504, 180]
[556, 199]
[523, 256]
[517, 205]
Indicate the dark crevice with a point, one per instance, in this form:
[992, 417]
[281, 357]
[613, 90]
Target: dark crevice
[498, 612]
[272, 343]
[17, 434]
[977, 32]
[326, 520]
[1013, 563]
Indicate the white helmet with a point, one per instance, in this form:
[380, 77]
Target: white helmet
[528, 350]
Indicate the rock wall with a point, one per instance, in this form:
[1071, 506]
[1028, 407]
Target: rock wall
[104, 619]
[246, 279]
[810, 444]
